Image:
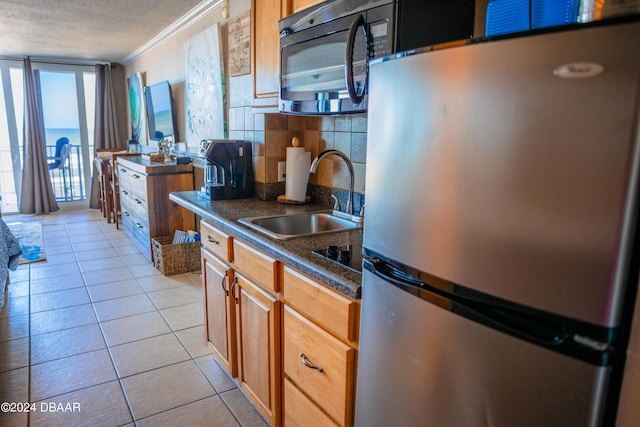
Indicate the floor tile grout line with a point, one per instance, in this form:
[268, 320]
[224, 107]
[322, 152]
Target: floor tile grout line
[190, 358]
[75, 390]
[30, 343]
[93, 303]
[115, 369]
[113, 363]
[174, 332]
[190, 403]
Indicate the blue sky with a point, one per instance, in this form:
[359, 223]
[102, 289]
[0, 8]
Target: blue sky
[59, 102]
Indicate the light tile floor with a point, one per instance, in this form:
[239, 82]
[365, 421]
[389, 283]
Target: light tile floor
[96, 327]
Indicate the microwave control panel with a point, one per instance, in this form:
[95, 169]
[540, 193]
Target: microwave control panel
[381, 42]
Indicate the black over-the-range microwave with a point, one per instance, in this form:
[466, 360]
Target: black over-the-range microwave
[325, 49]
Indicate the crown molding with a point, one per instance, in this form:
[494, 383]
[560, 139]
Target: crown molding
[184, 22]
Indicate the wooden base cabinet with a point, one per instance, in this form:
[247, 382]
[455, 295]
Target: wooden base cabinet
[289, 341]
[320, 365]
[258, 334]
[220, 311]
[144, 198]
[320, 334]
[219, 307]
[242, 319]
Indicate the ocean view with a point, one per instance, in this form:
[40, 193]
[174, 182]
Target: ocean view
[51, 135]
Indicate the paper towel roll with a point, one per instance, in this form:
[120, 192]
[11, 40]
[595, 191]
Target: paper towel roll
[298, 164]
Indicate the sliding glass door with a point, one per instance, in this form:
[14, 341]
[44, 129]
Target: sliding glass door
[11, 135]
[68, 105]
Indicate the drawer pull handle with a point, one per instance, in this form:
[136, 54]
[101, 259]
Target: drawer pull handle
[136, 176]
[125, 192]
[224, 279]
[309, 365]
[138, 201]
[123, 170]
[139, 225]
[212, 240]
[233, 292]
[125, 213]
[233, 284]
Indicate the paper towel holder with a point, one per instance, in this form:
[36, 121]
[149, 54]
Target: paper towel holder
[295, 142]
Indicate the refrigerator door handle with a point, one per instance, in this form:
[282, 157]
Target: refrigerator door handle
[511, 320]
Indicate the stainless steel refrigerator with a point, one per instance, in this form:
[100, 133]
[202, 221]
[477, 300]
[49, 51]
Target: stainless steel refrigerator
[500, 231]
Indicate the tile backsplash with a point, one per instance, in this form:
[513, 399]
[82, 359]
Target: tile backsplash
[271, 134]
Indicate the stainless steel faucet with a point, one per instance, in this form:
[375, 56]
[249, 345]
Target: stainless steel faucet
[314, 168]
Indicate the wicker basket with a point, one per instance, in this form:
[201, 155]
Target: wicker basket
[178, 258]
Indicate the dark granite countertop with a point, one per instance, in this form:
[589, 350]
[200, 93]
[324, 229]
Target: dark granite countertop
[296, 253]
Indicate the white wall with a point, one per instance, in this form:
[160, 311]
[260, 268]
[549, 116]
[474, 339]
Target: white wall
[166, 61]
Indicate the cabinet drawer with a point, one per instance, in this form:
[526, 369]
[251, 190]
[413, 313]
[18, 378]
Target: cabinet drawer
[124, 176]
[142, 230]
[139, 205]
[331, 388]
[299, 411]
[125, 193]
[215, 241]
[127, 221]
[137, 183]
[133, 181]
[127, 205]
[261, 268]
[136, 210]
[336, 313]
[138, 230]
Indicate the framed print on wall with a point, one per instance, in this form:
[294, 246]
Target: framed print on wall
[137, 108]
[205, 87]
[240, 45]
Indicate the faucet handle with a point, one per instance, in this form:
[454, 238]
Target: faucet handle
[336, 203]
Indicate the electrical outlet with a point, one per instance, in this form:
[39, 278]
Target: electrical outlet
[282, 171]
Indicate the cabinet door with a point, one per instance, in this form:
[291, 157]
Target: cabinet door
[258, 326]
[266, 49]
[301, 4]
[219, 311]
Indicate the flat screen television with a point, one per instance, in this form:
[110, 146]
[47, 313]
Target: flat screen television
[160, 112]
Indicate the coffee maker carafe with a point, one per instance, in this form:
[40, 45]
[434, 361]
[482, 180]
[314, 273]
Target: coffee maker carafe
[213, 188]
[229, 170]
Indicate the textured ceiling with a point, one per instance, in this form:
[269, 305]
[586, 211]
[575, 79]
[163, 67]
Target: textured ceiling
[100, 30]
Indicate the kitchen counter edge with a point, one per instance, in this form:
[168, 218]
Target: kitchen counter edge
[296, 253]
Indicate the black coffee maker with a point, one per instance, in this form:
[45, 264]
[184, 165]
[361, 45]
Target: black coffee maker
[229, 170]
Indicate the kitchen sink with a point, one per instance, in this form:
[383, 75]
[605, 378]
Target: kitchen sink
[289, 226]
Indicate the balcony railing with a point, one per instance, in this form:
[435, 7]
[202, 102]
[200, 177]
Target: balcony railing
[67, 180]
